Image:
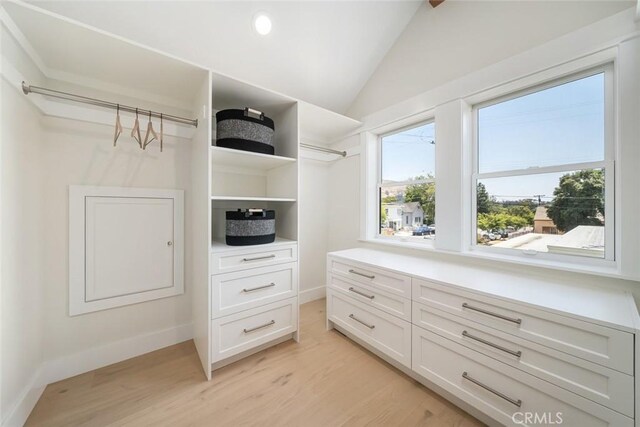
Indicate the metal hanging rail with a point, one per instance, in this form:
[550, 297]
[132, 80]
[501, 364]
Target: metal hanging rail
[323, 149]
[27, 89]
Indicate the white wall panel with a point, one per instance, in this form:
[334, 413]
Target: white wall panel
[22, 275]
[126, 245]
[315, 211]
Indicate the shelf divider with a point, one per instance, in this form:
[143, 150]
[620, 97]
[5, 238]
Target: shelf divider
[253, 199]
[228, 157]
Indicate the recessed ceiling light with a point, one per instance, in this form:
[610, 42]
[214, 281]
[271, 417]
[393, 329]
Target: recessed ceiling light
[262, 24]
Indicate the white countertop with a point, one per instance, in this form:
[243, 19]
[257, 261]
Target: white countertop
[612, 308]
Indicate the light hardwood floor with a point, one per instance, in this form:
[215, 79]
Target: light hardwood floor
[325, 380]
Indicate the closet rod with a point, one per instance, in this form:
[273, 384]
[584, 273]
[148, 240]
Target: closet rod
[323, 149]
[27, 89]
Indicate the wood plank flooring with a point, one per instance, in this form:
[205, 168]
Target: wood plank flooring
[325, 380]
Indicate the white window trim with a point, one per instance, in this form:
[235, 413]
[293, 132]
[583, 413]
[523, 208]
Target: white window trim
[372, 229]
[611, 235]
[540, 69]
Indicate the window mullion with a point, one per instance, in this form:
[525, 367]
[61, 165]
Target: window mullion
[569, 167]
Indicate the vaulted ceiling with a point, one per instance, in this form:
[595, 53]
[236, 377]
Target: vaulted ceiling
[322, 52]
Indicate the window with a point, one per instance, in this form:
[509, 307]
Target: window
[406, 184]
[543, 169]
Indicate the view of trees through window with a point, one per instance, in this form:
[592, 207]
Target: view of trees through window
[542, 222]
[407, 185]
[540, 184]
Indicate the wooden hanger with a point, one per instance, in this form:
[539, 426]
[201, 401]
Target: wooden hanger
[150, 131]
[118, 129]
[135, 132]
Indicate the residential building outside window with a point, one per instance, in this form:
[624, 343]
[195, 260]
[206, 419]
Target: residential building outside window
[543, 169]
[406, 184]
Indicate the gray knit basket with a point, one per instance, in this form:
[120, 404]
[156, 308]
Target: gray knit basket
[250, 227]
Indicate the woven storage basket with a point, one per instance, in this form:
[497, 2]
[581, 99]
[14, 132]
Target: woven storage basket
[250, 227]
[248, 130]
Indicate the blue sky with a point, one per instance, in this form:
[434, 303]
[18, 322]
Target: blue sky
[560, 125]
[408, 154]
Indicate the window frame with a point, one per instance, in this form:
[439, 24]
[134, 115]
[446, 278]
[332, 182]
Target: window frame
[608, 164]
[428, 243]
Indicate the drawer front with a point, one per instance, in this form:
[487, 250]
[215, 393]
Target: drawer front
[252, 257]
[598, 344]
[502, 392]
[243, 331]
[390, 335]
[380, 279]
[241, 290]
[595, 382]
[385, 301]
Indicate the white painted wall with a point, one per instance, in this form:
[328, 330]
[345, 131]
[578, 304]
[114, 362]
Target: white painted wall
[22, 232]
[458, 37]
[344, 192]
[314, 221]
[445, 101]
[81, 153]
[41, 156]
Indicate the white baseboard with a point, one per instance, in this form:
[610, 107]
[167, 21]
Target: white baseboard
[88, 360]
[312, 294]
[108, 354]
[25, 403]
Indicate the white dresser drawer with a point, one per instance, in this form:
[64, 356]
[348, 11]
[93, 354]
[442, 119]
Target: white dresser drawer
[385, 301]
[390, 335]
[384, 280]
[241, 290]
[242, 331]
[252, 257]
[502, 391]
[598, 344]
[595, 382]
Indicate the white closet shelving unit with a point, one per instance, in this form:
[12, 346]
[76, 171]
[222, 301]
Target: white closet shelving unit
[254, 289]
[91, 62]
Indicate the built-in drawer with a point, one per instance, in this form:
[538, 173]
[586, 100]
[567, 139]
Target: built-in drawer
[385, 301]
[598, 344]
[387, 333]
[504, 393]
[595, 382]
[381, 279]
[241, 290]
[252, 257]
[243, 331]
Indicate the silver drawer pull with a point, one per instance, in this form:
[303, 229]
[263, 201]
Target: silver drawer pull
[259, 258]
[270, 285]
[361, 322]
[355, 291]
[499, 316]
[362, 274]
[246, 331]
[490, 344]
[515, 402]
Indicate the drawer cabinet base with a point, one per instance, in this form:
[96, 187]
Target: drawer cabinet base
[595, 382]
[386, 333]
[504, 360]
[237, 333]
[501, 391]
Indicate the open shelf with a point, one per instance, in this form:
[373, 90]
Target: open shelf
[228, 157]
[252, 199]
[321, 126]
[219, 246]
